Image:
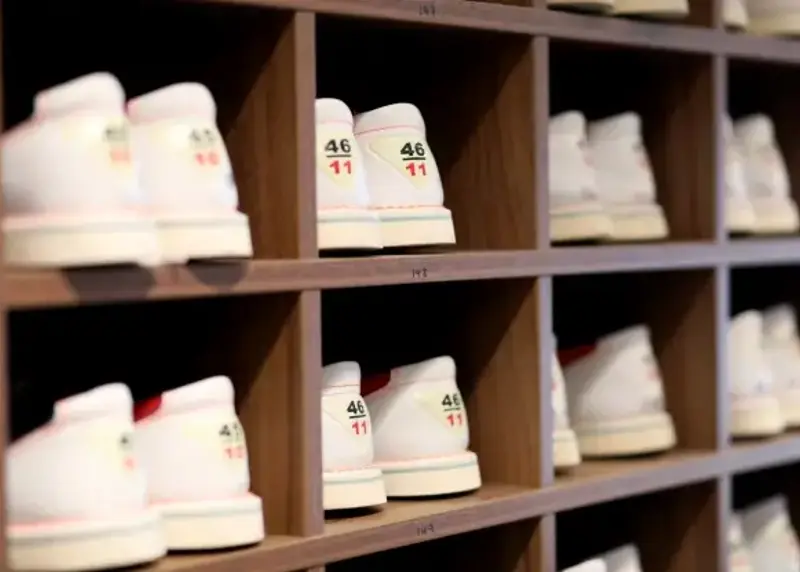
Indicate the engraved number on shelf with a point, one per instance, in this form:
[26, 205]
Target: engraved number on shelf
[425, 529]
[427, 9]
[233, 442]
[359, 419]
[419, 273]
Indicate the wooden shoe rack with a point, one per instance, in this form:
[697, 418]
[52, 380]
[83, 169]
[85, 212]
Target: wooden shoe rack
[486, 75]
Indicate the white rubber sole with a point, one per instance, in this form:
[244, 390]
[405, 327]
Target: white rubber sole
[416, 226]
[352, 489]
[581, 221]
[184, 238]
[566, 453]
[790, 407]
[652, 8]
[88, 545]
[734, 14]
[430, 477]
[72, 242]
[637, 222]
[209, 525]
[786, 23]
[758, 416]
[633, 436]
[740, 216]
[348, 228]
[775, 216]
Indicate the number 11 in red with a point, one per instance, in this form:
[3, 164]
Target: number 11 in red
[360, 427]
[415, 169]
[455, 419]
[340, 167]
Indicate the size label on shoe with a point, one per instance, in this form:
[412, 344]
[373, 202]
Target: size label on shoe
[350, 411]
[115, 443]
[337, 156]
[110, 136]
[207, 148]
[117, 138]
[447, 407]
[408, 155]
[222, 434]
[231, 436]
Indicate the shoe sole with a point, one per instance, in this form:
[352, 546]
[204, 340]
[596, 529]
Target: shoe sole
[353, 489]
[758, 416]
[740, 216]
[419, 226]
[79, 242]
[565, 449]
[632, 436]
[87, 545]
[637, 222]
[211, 525]
[580, 221]
[431, 477]
[775, 216]
[202, 237]
[348, 228]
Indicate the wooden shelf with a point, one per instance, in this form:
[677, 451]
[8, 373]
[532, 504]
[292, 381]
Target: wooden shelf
[405, 523]
[554, 24]
[30, 289]
[756, 455]
[595, 482]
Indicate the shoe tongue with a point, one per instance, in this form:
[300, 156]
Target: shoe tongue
[764, 518]
[341, 376]
[107, 400]
[568, 123]
[779, 323]
[179, 101]
[333, 111]
[735, 531]
[624, 126]
[624, 558]
[93, 92]
[745, 329]
[217, 389]
[397, 115]
[755, 131]
[633, 336]
[429, 370]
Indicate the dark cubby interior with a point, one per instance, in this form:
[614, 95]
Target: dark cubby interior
[151, 348]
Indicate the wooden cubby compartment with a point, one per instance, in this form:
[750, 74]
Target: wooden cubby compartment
[586, 533]
[671, 92]
[471, 87]
[753, 487]
[60, 352]
[772, 90]
[685, 329]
